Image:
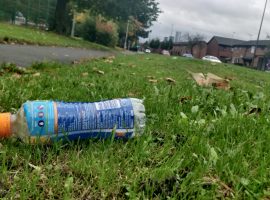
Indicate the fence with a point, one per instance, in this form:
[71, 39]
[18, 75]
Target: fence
[28, 12]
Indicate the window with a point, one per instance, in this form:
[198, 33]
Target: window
[252, 50]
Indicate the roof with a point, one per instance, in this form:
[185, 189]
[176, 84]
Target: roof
[226, 41]
[187, 43]
[253, 43]
[180, 44]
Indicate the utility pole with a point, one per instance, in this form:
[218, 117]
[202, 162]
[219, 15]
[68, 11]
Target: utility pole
[125, 45]
[258, 38]
[73, 22]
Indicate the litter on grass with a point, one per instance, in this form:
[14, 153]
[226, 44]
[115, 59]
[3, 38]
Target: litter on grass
[211, 80]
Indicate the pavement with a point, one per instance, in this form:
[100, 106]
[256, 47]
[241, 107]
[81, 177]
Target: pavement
[25, 55]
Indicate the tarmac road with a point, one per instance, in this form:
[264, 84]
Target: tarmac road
[25, 55]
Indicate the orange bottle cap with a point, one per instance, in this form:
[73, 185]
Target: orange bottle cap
[5, 127]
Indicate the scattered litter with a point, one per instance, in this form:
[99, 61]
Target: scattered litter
[109, 59]
[85, 74]
[75, 62]
[223, 188]
[153, 80]
[211, 80]
[36, 168]
[184, 100]
[170, 80]
[253, 111]
[36, 74]
[121, 64]
[132, 65]
[130, 111]
[17, 76]
[98, 71]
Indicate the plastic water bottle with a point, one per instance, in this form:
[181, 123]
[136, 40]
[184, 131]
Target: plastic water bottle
[51, 121]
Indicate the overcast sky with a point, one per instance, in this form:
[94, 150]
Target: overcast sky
[239, 19]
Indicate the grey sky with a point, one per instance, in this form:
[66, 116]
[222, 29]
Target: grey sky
[229, 18]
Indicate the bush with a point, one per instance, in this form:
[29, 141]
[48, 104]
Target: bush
[96, 29]
[87, 30]
[106, 33]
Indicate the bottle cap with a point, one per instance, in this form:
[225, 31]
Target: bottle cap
[5, 127]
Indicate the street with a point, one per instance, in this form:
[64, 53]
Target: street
[25, 55]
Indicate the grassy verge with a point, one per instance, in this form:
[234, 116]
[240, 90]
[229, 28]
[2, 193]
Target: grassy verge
[198, 144]
[17, 34]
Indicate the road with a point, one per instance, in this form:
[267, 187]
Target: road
[25, 55]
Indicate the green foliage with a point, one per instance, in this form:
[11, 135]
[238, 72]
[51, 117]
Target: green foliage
[145, 12]
[155, 44]
[87, 30]
[199, 143]
[34, 11]
[10, 33]
[10, 68]
[99, 30]
[167, 45]
[106, 33]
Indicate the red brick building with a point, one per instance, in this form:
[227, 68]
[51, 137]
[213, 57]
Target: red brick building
[180, 48]
[198, 50]
[221, 47]
[243, 53]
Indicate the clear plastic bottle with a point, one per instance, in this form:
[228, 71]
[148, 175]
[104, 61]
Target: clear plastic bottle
[52, 121]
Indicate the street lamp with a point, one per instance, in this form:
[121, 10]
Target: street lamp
[126, 38]
[257, 41]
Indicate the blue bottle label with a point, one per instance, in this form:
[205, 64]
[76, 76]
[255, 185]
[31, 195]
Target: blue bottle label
[58, 120]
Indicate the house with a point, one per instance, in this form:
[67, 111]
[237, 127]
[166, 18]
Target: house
[198, 50]
[221, 47]
[243, 53]
[180, 48]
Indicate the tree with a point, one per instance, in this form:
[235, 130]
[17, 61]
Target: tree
[167, 45]
[194, 39]
[143, 12]
[154, 44]
[37, 11]
[62, 18]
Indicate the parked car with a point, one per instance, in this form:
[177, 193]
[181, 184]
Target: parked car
[187, 55]
[211, 59]
[147, 51]
[165, 52]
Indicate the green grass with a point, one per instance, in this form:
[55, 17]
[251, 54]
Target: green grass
[216, 151]
[19, 34]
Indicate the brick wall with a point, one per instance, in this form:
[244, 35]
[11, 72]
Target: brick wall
[213, 48]
[225, 52]
[199, 50]
[243, 55]
[179, 50]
